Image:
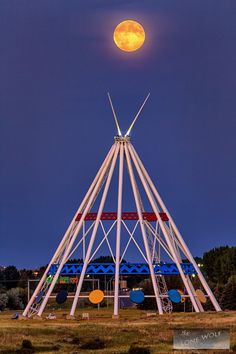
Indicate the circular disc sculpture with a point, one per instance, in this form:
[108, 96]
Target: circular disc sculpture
[137, 296]
[201, 296]
[62, 296]
[96, 296]
[174, 296]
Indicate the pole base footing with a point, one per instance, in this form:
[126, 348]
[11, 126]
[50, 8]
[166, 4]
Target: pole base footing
[23, 318]
[115, 317]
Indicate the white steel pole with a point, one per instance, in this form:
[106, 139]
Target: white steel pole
[176, 247]
[91, 242]
[114, 114]
[178, 235]
[149, 258]
[118, 233]
[77, 229]
[180, 260]
[169, 242]
[193, 289]
[66, 235]
[136, 117]
[83, 240]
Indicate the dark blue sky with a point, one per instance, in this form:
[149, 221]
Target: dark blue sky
[58, 60]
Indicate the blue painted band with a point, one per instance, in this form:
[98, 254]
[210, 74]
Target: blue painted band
[125, 268]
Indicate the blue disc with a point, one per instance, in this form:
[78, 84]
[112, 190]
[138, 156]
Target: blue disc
[61, 296]
[39, 297]
[136, 296]
[174, 296]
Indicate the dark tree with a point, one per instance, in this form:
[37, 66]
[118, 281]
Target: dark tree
[220, 264]
[103, 259]
[75, 260]
[148, 303]
[228, 298]
[41, 271]
[11, 276]
[218, 292]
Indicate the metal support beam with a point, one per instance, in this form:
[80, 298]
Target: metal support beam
[145, 241]
[118, 232]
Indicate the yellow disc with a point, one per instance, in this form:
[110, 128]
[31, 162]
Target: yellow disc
[96, 296]
[201, 296]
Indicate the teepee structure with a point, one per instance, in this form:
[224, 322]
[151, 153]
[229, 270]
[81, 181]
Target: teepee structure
[157, 231]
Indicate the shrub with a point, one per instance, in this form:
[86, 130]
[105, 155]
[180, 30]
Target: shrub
[14, 299]
[26, 344]
[75, 340]
[138, 350]
[23, 296]
[3, 301]
[228, 298]
[94, 344]
[26, 347]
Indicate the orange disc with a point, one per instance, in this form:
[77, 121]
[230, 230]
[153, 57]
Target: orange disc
[96, 296]
[201, 296]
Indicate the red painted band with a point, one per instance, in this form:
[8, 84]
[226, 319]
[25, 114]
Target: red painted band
[125, 216]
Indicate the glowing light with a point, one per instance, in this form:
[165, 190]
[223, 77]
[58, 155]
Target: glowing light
[129, 35]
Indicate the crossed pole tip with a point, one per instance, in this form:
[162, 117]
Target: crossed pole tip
[134, 120]
[114, 115]
[136, 117]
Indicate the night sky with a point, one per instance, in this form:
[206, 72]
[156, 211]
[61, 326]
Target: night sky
[57, 62]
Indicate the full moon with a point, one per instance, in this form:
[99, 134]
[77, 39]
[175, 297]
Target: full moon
[129, 35]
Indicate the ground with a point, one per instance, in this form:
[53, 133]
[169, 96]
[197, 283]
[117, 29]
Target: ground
[133, 326]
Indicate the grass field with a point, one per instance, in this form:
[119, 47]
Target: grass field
[133, 327]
